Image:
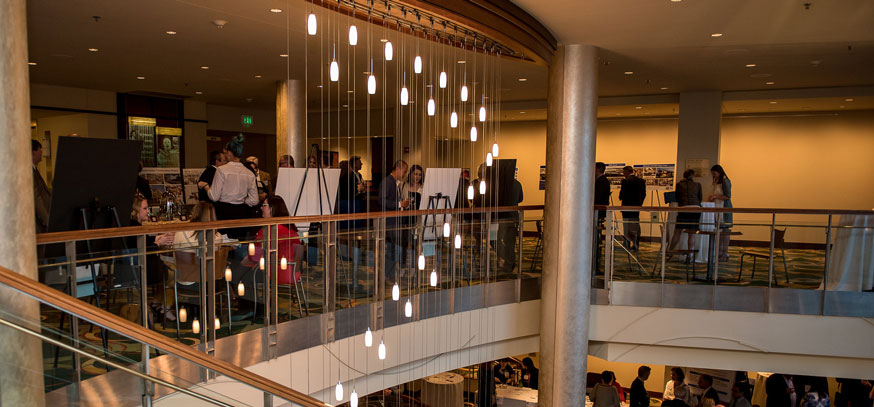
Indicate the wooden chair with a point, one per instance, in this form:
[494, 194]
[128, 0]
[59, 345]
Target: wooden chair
[779, 242]
[188, 269]
[689, 253]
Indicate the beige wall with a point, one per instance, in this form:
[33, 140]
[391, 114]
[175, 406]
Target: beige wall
[627, 372]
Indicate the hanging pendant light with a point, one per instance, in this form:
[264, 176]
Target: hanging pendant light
[195, 326]
[395, 292]
[464, 93]
[443, 80]
[353, 35]
[446, 229]
[251, 249]
[183, 315]
[433, 278]
[261, 264]
[389, 51]
[432, 107]
[229, 275]
[338, 391]
[283, 263]
[453, 120]
[408, 309]
[381, 350]
[457, 241]
[473, 133]
[217, 323]
[489, 160]
[482, 113]
[482, 187]
[417, 64]
[241, 289]
[368, 338]
[371, 84]
[335, 67]
[495, 150]
[469, 192]
[311, 24]
[405, 96]
[353, 398]
[421, 262]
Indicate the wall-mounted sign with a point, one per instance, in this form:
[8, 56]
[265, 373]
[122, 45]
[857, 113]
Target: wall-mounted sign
[247, 120]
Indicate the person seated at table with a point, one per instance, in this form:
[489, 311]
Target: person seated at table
[503, 372]
[187, 240]
[289, 243]
[619, 389]
[530, 374]
[688, 195]
[154, 267]
[604, 394]
[677, 392]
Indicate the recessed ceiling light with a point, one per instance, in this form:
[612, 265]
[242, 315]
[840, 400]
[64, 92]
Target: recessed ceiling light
[462, 62]
[32, 63]
[276, 10]
[629, 73]
[664, 88]
[842, 107]
[141, 77]
[93, 49]
[521, 112]
[257, 76]
[769, 83]
[750, 65]
[848, 100]
[198, 92]
[638, 107]
[171, 32]
[283, 55]
[523, 79]
[772, 102]
[714, 35]
[383, 40]
[676, 1]
[204, 67]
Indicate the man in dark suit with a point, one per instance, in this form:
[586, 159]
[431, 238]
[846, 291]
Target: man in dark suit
[705, 383]
[42, 198]
[389, 200]
[632, 193]
[217, 159]
[780, 389]
[639, 396]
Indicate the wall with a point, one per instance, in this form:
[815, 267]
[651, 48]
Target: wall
[627, 372]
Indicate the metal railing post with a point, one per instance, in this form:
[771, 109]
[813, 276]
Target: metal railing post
[521, 224]
[453, 268]
[205, 322]
[379, 273]
[770, 251]
[608, 253]
[664, 253]
[485, 248]
[70, 252]
[330, 236]
[145, 354]
[828, 252]
[271, 312]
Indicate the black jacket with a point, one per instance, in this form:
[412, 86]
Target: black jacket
[633, 191]
[639, 396]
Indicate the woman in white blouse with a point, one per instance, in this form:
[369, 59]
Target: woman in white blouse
[233, 189]
[677, 392]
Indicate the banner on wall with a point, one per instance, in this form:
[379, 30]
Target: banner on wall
[614, 174]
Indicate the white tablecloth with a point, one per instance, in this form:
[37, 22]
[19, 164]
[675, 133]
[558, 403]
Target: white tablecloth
[509, 396]
[702, 241]
[444, 389]
[851, 267]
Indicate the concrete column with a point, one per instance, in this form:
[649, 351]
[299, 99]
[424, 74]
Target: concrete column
[21, 373]
[699, 131]
[570, 162]
[291, 123]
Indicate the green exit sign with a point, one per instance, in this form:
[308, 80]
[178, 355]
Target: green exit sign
[247, 120]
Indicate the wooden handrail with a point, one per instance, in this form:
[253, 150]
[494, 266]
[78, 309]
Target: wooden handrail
[59, 237]
[737, 210]
[97, 316]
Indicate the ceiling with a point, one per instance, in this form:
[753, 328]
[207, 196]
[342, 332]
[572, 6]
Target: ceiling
[132, 41]
[668, 45]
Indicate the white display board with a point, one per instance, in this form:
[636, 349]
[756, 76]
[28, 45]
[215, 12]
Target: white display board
[288, 183]
[438, 181]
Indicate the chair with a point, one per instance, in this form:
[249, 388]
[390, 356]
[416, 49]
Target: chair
[779, 241]
[686, 252]
[188, 269]
[299, 290]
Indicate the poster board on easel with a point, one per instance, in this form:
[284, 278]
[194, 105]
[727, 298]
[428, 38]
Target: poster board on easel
[288, 184]
[443, 181]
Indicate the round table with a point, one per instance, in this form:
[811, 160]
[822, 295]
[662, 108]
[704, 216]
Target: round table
[509, 396]
[444, 389]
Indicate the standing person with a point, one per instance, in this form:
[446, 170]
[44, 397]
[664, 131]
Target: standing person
[508, 224]
[411, 190]
[639, 396]
[738, 397]
[709, 397]
[721, 196]
[390, 200]
[355, 165]
[42, 198]
[262, 176]
[780, 390]
[233, 189]
[602, 197]
[688, 195]
[530, 374]
[677, 392]
[263, 191]
[632, 193]
[615, 383]
[216, 159]
[604, 394]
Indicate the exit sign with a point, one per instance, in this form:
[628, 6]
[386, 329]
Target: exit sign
[247, 120]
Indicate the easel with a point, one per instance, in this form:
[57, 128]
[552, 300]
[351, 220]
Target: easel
[434, 203]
